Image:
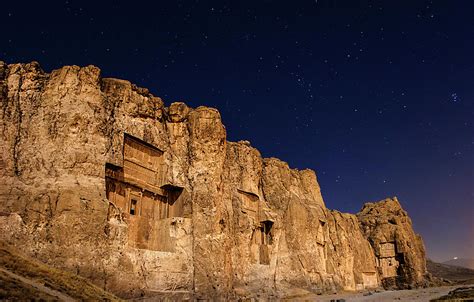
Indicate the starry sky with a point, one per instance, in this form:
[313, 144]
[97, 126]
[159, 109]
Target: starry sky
[376, 96]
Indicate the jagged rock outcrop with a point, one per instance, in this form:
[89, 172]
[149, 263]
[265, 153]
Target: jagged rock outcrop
[100, 178]
[400, 253]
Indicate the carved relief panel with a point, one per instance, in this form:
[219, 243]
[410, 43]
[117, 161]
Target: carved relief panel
[137, 190]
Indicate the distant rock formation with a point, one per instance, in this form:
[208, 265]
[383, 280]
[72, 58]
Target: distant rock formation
[448, 274]
[99, 178]
[462, 262]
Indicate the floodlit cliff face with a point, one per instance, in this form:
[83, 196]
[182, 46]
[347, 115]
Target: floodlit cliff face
[400, 253]
[98, 177]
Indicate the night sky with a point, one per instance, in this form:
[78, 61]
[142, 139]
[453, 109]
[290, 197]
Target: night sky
[376, 96]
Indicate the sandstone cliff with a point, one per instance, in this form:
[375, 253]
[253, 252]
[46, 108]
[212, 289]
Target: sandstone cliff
[98, 177]
[400, 252]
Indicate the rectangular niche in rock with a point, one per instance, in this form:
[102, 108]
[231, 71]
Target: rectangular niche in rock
[249, 203]
[142, 163]
[387, 249]
[136, 189]
[266, 232]
[387, 262]
[173, 204]
[266, 239]
[320, 233]
[133, 207]
[369, 280]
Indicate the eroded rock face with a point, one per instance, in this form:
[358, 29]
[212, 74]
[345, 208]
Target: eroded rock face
[100, 178]
[400, 253]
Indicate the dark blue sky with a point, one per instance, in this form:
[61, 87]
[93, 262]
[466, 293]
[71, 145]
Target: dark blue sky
[376, 96]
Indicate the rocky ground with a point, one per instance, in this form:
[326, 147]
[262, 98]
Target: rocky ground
[458, 286]
[414, 295]
[24, 279]
[465, 293]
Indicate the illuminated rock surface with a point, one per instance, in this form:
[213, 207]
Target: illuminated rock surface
[99, 178]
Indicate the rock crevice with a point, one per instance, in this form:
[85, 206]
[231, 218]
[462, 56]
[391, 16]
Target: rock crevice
[154, 200]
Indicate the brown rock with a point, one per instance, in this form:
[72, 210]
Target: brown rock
[104, 181]
[400, 252]
[178, 112]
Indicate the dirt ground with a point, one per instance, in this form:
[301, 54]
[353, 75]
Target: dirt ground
[415, 295]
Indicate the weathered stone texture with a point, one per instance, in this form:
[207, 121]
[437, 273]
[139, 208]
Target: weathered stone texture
[399, 251]
[184, 211]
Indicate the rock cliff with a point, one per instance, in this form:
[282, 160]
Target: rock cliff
[99, 178]
[400, 253]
